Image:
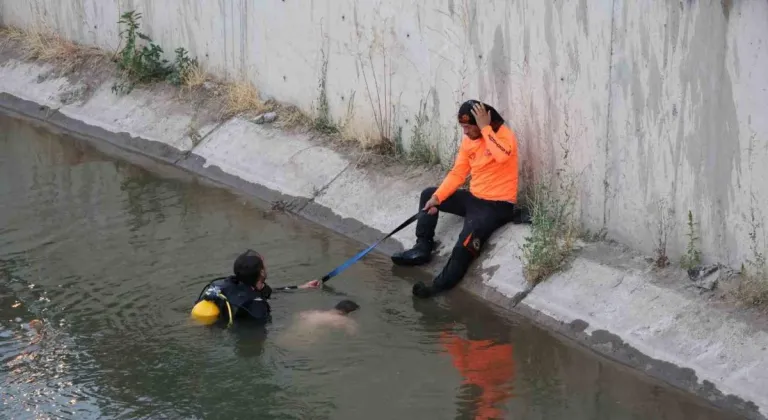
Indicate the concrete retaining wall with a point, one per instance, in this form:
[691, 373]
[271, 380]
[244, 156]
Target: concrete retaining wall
[606, 300]
[657, 105]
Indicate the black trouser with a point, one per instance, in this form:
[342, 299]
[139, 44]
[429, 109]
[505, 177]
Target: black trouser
[481, 219]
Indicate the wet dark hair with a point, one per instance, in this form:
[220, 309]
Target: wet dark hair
[248, 266]
[465, 114]
[346, 306]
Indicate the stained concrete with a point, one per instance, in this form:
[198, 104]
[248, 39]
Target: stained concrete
[660, 324]
[615, 308]
[650, 104]
[290, 164]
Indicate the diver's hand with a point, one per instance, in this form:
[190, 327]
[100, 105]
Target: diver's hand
[311, 284]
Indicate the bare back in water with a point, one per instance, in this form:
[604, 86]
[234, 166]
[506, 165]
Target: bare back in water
[310, 326]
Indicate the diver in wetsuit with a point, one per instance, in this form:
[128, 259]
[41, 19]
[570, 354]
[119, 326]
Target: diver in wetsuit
[243, 296]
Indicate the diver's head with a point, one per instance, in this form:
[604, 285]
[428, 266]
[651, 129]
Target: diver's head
[346, 306]
[250, 269]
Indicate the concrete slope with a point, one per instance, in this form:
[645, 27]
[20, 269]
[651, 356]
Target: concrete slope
[621, 312]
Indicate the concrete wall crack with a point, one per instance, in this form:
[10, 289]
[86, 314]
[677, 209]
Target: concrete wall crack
[185, 155]
[608, 122]
[318, 192]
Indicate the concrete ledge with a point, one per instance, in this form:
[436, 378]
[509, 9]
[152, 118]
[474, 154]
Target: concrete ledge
[290, 164]
[618, 312]
[660, 324]
[29, 82]
[140, 115]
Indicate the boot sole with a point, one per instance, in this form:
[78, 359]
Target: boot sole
[405, 262]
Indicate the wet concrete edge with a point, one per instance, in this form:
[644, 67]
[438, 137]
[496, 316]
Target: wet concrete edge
[603, 343]
[164, 153]
[613, 347]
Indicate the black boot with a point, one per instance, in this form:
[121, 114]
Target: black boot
[421, 253]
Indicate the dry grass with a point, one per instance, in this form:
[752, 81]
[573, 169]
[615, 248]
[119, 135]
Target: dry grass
[753, 291]
[291, 117]
[194, 77]
[367, 139]
[11, 34]
[752, 288]
[46, 45]
[242, 97]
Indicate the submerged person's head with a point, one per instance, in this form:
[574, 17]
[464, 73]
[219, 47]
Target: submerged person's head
[346, 306]
[249, 268]
[468, 122]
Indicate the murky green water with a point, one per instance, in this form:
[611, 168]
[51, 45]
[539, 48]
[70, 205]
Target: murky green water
[111, 257]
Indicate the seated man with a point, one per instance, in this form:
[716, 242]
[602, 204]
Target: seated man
[310, 325]
[242, 296]
[488, 153]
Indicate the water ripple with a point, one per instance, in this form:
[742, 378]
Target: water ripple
[110, 258]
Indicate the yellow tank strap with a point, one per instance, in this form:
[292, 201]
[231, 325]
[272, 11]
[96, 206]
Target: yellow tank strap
[229, 309]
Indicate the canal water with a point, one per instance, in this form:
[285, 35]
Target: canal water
[110, 257]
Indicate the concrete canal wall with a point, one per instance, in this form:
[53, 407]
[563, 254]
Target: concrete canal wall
[656, 106]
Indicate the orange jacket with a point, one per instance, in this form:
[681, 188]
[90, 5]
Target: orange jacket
[489, 366]
[492, 162]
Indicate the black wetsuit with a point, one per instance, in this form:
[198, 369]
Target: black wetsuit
[246, 302]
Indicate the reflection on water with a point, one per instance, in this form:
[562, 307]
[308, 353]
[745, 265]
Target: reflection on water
[488, 369]
[111, 256]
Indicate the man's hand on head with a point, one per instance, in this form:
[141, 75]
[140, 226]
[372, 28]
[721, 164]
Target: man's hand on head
[482, 116]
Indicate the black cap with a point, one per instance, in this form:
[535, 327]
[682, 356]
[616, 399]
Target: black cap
[248, 266]
[466, 117]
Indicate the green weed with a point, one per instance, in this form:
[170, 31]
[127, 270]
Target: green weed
[422, 151]
[141, 60]
[323, 121]
[692, 257]
[183, 68]
[553, 230]
[753, 286]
